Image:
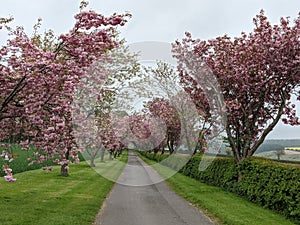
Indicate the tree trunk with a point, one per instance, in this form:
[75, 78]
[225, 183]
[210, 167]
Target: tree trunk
[64, 170]
[195, 151]
[243, 148]
[92, 163]
[116, 154]
[170, 146]
[102, 155]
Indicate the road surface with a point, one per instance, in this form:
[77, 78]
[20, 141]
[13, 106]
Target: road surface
[153, 204]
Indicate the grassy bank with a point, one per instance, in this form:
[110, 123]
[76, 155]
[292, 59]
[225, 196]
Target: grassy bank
[223, 207]
[45, 198]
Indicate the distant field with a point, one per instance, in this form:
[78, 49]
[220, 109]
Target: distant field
[275, 144]
[292, 148]
[289, 155]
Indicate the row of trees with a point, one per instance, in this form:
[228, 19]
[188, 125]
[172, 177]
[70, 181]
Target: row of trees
[242, 85]
[184, 124]
[251, 79]
[63, 94]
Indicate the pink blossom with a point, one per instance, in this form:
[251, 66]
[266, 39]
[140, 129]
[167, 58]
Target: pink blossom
[9, 178]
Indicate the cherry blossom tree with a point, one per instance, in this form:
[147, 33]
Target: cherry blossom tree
[257, 74]
[94, 100]
[175, 105]
[162, 108]
[38, 75]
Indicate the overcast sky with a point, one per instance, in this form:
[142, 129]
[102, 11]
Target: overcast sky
[159, 20]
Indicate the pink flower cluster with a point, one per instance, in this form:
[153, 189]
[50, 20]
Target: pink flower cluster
[8, 172]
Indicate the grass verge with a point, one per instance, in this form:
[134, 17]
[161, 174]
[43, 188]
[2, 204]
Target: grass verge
[45, 198]
[223, 207]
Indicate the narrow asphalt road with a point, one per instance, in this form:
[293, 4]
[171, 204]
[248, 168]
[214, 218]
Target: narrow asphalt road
[153, 204]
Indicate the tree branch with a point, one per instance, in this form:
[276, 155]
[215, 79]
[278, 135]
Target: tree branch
[14, 92]
[268, 129]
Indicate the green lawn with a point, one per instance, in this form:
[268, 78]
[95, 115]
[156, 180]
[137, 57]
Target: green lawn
[223, 207]
[45, 198]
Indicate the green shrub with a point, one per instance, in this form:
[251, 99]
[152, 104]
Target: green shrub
[271, 185]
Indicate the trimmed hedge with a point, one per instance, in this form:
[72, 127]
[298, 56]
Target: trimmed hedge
[272, 185]
[262, 181]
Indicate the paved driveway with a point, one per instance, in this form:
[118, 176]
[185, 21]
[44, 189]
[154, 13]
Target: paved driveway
[152, 204]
